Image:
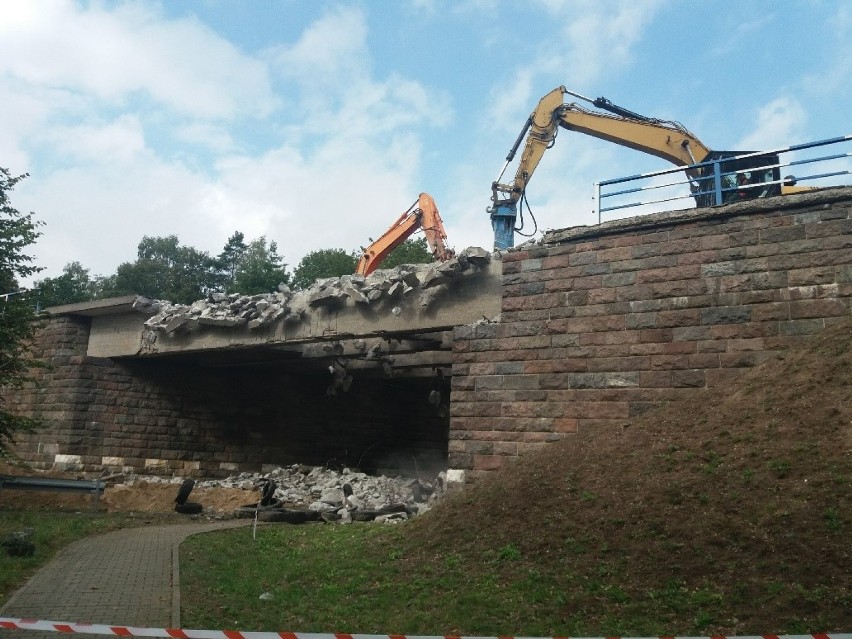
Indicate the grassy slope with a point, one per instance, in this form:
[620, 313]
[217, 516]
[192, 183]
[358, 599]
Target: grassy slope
[726, 513]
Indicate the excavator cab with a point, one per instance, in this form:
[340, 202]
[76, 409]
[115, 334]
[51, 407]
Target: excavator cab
[743, 179]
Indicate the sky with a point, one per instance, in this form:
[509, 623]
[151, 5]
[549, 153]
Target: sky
[316, 124]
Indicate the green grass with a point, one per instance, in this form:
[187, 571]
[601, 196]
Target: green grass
[355, 579]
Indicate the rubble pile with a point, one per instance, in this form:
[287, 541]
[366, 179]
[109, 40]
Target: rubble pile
[345, 495]
[382, 287]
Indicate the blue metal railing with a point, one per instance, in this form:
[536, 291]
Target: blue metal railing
[721, 179]
[4, 297]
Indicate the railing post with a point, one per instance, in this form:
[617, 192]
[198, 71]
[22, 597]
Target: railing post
[597, 198]
[717, 181]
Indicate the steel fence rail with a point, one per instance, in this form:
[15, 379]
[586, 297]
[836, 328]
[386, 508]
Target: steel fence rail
[709, 185]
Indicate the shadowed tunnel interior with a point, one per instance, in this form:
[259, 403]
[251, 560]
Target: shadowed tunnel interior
[269, 414]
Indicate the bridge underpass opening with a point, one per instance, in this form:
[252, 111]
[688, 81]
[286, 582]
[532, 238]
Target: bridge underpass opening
[250, 409]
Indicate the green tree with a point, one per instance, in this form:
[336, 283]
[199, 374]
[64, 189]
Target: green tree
[74, 285]
[165, 270]
[229, 260]
[17, 314]
[412, 251]
[260, 268]
[323, 263]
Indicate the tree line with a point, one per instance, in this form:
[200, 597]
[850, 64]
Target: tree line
[166, 269]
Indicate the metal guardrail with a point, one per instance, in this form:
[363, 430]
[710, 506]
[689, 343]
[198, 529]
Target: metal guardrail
[723, 178]
[93, 486]
[5, 297]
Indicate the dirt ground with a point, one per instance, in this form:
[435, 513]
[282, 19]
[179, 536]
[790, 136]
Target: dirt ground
[141, 496]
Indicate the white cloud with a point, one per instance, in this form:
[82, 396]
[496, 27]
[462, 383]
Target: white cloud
[121, 141]
[344, 193]
[834, 74]
[115, 55]
[337, 93]
[327, 201]
[23, 110]
[330, 50]
[739, 37]
[213, 137]
[344, 171]
[592, 38]
[511, 104]
[96, 214]
[777, 124]
[600, 36]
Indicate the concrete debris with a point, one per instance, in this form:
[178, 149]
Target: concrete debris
[327, 296]
[348, 494]
[356, 294]
[429, 295]
[233, 310]
[145, 305]
[375, 349]
[476, 255]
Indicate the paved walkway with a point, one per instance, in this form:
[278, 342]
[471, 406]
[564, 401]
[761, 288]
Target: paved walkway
[129, 577]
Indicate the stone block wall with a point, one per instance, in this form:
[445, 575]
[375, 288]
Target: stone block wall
[175, 416]
[59, 391]
[599, 324]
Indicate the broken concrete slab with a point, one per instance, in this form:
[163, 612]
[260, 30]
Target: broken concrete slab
[352, 494]
[356, 295]
[466, 288]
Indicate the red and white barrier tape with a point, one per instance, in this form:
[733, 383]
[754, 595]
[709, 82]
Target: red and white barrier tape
[10, 623]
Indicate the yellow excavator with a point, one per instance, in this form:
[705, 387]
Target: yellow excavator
[755, 176]
[423, 214]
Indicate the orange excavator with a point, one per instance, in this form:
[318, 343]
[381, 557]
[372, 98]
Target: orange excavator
[423, 214]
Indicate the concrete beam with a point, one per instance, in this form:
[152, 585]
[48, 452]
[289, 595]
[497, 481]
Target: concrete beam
[463, 297]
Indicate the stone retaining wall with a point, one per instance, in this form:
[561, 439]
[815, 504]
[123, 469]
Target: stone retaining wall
[174, 416]
[601, 323]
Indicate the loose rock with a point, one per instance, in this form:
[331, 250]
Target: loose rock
[221, 310]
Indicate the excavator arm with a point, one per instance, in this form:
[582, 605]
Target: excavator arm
[667, 140]
[423, 214]
[745, 178]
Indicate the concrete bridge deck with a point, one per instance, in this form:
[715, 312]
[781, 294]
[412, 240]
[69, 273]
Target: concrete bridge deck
[414, 309]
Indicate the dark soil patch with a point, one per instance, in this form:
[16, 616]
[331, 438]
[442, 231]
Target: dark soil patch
[140, 496]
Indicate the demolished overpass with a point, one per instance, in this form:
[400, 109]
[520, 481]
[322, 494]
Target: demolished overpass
[354, 371]
[594, 325]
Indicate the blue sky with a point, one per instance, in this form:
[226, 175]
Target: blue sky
[316, 124]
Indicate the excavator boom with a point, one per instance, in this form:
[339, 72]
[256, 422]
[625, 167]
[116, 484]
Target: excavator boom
[667, 140]
[423, 214]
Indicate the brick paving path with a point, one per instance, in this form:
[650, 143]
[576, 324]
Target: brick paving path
[122, 578]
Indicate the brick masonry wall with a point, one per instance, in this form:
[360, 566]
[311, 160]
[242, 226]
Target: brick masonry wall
[56, 395]
[599, 324]
[173, 416]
